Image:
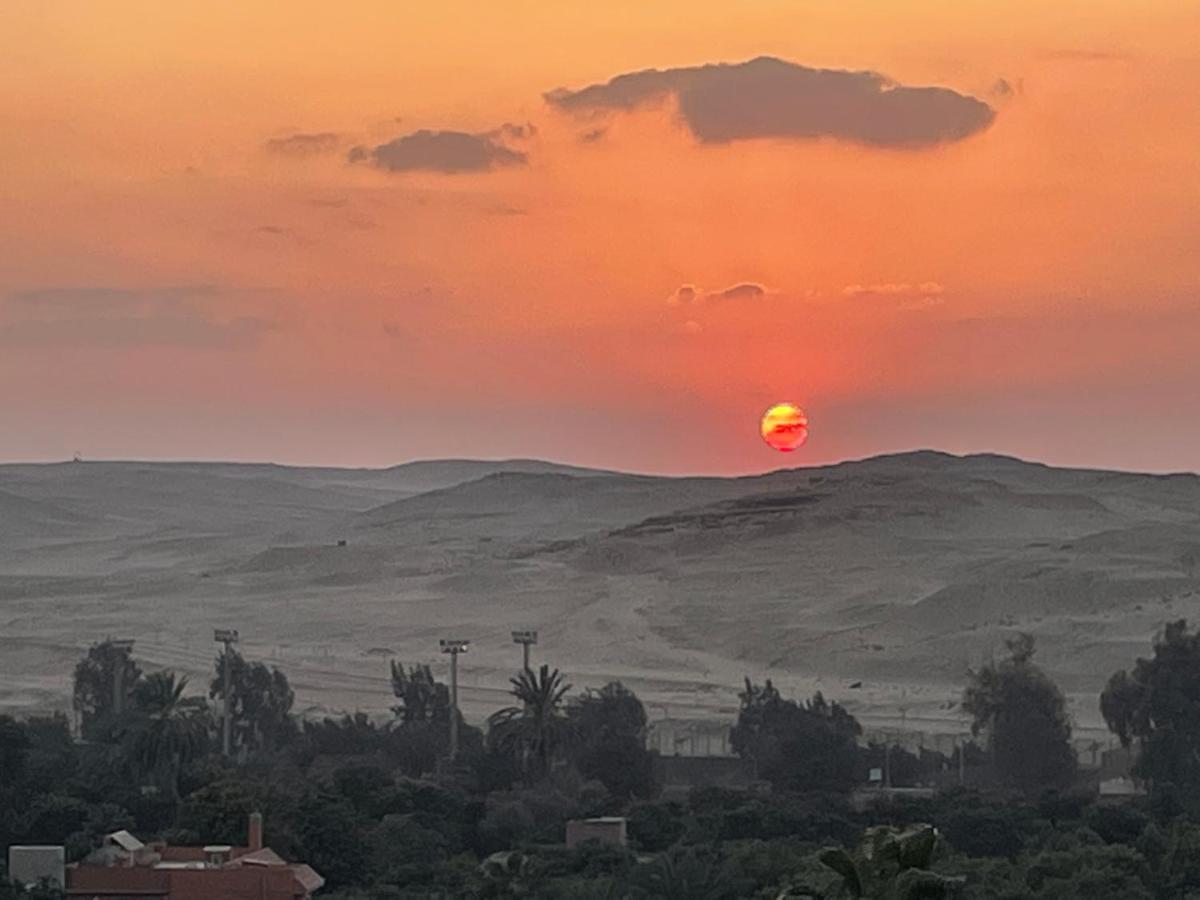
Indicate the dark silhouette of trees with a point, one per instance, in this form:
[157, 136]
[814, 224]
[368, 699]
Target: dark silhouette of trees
[1157, 703]
[891, 864]
[421, 698]
[1023, 714]
[261, 703]
[609, 728]
[166, 729]
[536, 732]
[96, 678]
[419, 736]
[810, 746]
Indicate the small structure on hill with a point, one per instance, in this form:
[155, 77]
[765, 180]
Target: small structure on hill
[605, 829]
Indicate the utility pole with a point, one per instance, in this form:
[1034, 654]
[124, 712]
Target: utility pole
[124, 647]
[454, 648]
[228, 637]
[525, 639]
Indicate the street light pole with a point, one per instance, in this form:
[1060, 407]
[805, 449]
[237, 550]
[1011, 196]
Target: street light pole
[228, 637]
[123, 647]
[526, 639]
[454, 648]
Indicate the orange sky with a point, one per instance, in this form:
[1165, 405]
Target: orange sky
[170, 286]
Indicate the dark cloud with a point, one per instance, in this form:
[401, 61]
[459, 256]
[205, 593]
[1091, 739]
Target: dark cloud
[771, 98]
[305, 144]
[449, 152]
[515, 132]
[688, 293]
[745, 291]
[592, 135]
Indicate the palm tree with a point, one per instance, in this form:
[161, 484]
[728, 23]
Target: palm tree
[538, 729]
[168, 730]
[891, 864]
[684, 875]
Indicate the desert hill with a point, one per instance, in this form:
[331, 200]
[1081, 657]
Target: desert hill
[899, 572]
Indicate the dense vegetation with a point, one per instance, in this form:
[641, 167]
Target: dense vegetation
[378, 810]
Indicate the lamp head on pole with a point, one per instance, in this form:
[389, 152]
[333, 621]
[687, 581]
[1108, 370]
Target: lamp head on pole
[454, 646]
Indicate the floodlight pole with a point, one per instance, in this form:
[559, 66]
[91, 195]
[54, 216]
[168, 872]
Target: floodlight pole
[525, 639]
[454, 648]
[228, 637]
[123, 647]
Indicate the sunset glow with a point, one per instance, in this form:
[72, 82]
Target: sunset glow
[302, 233]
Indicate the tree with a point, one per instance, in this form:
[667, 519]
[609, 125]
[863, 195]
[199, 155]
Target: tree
[14, 750]
[811, 746]
[683, 874]
[1024, 715]
[535, 732]
[1157, 704]
[261, 703]
[609, 726]
[421, 697]
[168, 729]
[891, 864]
[106, 671]
[420, 734]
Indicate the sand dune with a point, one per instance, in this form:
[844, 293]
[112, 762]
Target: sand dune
[899, 571]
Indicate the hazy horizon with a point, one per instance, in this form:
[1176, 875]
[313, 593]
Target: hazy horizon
[797, 463]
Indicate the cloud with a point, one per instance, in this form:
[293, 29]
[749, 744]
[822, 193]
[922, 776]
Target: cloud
[687, 294]
[1067, 54]
[914, 296]
[107, 317]
[515, 132]
[305, 144]
[449, 152]
[771, 98]
[892, 289]
[593, 135]
[107, 299]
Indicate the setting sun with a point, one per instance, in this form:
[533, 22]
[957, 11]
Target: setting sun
[784, 427]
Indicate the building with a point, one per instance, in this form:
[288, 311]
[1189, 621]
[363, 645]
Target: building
[604, 830]
[689, 737]
[125, 867]
[29, 865]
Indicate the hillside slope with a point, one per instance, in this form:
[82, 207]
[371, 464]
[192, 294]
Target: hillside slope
[899, 572]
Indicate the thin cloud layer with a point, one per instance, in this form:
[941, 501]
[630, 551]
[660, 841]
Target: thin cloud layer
[922, 295]
[449, 152]
[772, 98]
[123, 318]
[305, 144]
